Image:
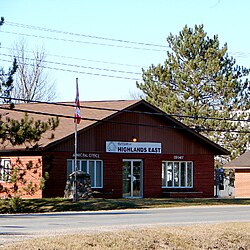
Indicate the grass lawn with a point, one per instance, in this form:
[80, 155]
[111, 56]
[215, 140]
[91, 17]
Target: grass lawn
[94, 204]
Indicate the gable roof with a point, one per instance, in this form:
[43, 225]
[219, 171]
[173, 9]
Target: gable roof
[92, 112]
[179, 125]
[240, 162]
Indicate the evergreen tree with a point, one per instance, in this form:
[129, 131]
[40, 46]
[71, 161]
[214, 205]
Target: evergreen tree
[200, 80]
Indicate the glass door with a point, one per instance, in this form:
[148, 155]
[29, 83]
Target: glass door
[132, 178]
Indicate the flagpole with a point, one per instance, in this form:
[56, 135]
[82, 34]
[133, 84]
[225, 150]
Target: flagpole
[75, 184]
[75, 198]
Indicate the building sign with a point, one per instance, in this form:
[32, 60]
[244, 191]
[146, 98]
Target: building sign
[133, 147]
[87, 155]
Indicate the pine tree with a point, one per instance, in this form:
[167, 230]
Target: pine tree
[200, 80]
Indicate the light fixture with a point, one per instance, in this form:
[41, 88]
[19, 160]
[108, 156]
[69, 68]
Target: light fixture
[134, 139]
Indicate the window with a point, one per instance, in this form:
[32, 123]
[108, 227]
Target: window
[177, 174]
[4, 170]
[92, 167]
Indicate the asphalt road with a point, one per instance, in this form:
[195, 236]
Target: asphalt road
[22, 226]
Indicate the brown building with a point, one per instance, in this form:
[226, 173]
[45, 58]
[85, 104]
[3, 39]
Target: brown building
[241, 167]
[167, 159]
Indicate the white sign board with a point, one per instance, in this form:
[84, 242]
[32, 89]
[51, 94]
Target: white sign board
[133, 147]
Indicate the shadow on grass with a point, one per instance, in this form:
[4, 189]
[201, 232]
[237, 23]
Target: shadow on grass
[96, 204]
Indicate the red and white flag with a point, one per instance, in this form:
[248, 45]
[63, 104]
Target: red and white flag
[77, 106]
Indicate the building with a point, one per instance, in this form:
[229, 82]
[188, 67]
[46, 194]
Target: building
[241, 168]
[130, 149]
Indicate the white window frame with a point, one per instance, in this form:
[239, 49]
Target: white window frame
[71, 169]
[5, 170]
[179, 163]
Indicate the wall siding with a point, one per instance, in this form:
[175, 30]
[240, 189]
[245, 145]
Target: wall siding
[152, 182]
[174, 141]
[57, 170]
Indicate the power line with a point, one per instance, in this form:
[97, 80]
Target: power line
[174, 115]
[237, 53]
[77, 66]
[79, 41]
[240, 54]
[83, 35]
[88, 119]
[83, 72]
[123, 123]
[129, 111]
[81, 59]
[98, 61]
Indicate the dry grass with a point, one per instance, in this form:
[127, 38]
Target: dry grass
[200, 236]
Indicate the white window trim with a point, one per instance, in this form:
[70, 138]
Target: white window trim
[179, 174]
[3, 169]
[95, 168]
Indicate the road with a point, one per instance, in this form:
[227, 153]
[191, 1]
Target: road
[24, 226]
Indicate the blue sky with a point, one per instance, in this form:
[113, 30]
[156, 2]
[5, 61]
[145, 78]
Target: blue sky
[99, 63]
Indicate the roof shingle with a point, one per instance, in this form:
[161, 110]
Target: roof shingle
[242, 161]
[91, 112]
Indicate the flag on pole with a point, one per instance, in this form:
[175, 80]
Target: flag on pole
[77, 105]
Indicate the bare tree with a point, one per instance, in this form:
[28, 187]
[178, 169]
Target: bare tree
[32, 81]
[136, 95]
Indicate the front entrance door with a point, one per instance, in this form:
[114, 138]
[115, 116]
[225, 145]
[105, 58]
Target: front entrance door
[132, 178]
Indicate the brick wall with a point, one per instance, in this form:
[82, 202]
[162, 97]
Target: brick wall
[34, 174]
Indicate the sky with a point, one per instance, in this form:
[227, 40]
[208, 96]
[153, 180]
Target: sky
[103, 42]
